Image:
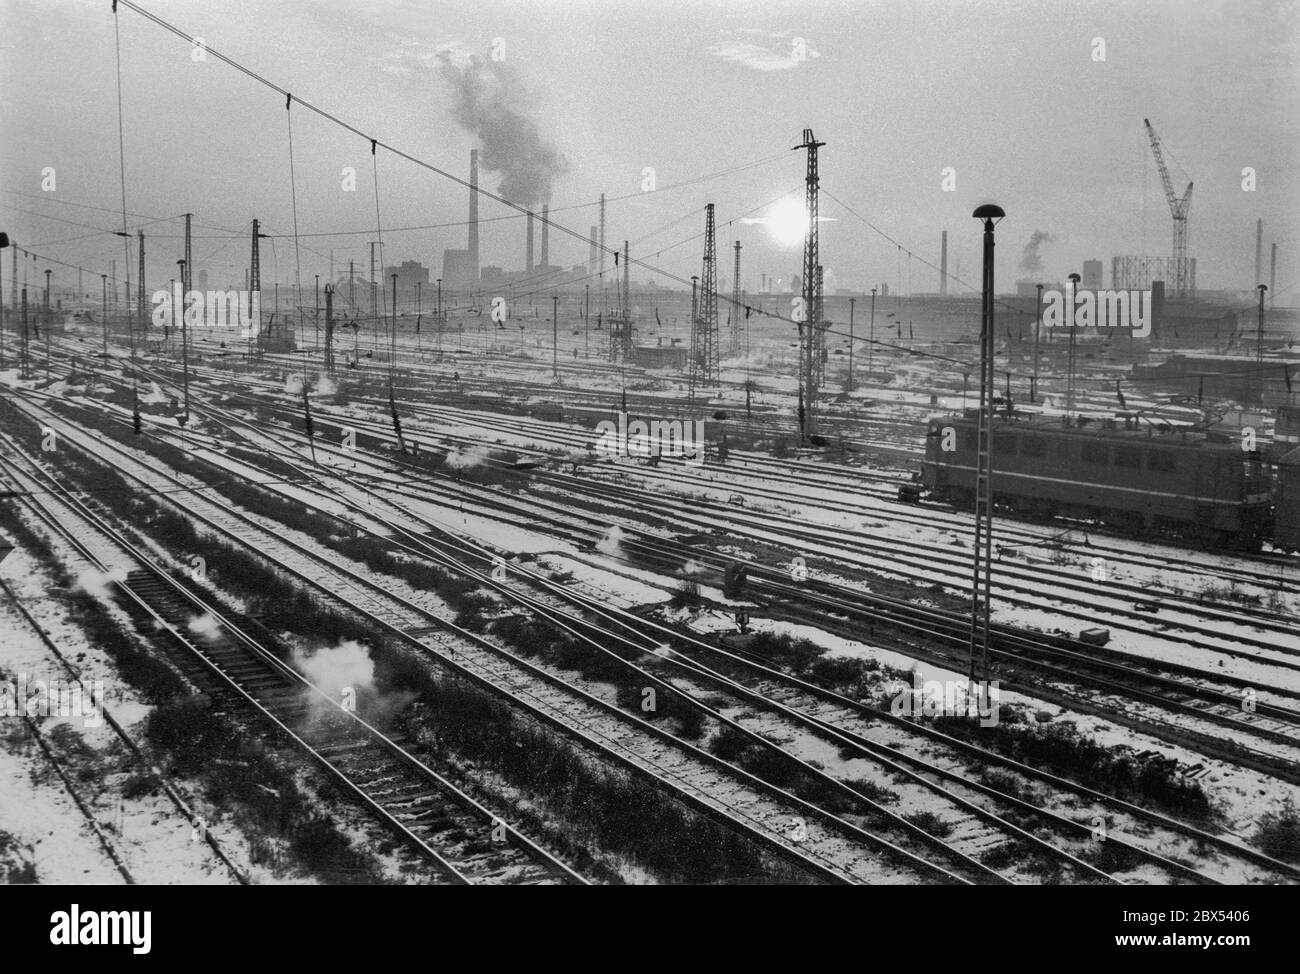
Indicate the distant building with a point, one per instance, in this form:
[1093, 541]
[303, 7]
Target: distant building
[1092, 272]
[409, 273]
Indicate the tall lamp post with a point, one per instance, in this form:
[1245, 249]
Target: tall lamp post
[982, 569]
[555, 337]
[1069, 359]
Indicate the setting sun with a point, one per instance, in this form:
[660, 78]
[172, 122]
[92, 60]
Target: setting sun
[788, 221]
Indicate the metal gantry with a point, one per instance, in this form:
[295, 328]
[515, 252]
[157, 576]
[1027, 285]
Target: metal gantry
[704, 349]
[737, 318]
[811, 334]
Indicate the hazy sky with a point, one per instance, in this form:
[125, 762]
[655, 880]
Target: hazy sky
[1005, 92]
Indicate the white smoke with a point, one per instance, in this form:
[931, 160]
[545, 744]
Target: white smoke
[205, 626]
[347, 665]
[293, 384]
[465, 459]
[611, 543]
[97, 583]
[154, 395]
[325, 386]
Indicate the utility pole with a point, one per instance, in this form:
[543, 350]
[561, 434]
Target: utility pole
[983, 550]
[4, 242]
[871, 343]
[140, 303]
[1038, 326]
[329, 327]
[104, 281]
[392, 366]
[1259, 343]
[316, 320]
[555, 336]
[49, 316]
[694, 323]
[23, 351]
[735, 304]
[852, 302]
[811, 330]
[185, 334]
[586, 322]
[706, 334]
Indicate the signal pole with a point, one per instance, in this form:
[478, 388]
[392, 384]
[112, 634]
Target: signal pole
[983, 552]
[555, 336]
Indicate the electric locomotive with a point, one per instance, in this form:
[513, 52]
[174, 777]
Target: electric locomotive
[1139, 478]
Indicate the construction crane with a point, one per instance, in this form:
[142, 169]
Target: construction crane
[1178, 207]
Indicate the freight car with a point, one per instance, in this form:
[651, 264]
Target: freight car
[1132, 477]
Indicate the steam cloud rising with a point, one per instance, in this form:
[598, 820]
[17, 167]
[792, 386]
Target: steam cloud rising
[492, 102]
[1031, 260]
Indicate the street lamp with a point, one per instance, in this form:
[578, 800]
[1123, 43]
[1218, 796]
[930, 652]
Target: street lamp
[982, 563]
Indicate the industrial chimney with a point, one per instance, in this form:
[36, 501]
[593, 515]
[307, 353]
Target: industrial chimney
[528, 262]
[943, 266]
[473, 212]
[546, 235]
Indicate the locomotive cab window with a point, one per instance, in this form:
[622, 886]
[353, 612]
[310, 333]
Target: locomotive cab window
[1162, 461]
[1128, 456]
[1095, 453]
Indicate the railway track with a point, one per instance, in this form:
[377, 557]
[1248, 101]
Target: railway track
[185, 810]
[427, 811]
[1192, 871]
[832, 849]
[925, 773]
[1221, 694]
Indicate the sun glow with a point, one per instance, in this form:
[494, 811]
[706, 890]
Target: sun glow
[788, 221]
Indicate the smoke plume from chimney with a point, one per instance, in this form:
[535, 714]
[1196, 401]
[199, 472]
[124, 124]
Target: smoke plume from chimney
[1030, 260]
[492, 102]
